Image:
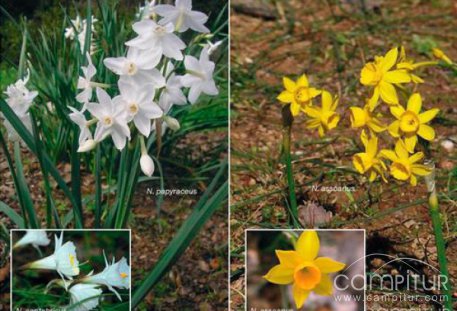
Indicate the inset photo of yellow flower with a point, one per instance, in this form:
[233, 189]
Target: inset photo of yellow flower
[78, 270]
[305, 270]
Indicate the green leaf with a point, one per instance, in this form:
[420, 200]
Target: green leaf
[205, 207]
[23, 189]
[15, 217]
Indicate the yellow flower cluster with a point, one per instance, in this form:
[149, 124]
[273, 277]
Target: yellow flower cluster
[299, 96]
[385, 75]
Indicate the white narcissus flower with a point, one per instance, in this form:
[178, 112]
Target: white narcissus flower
[172, 92]
[74, 29]
[172, 123]
[79, 118]
[34, 237]
[138, 64]
[112, 119]
[159, 37]
[82, 35]
[199, 77]
[85, 83]
[147, 165]
[212, 47]
[85, 297]
[139, 104]
[182, 16]
[19, 98]
[64, 260]
[147, 11]
[114, 275]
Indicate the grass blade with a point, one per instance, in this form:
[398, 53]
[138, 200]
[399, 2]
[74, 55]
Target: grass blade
[11, 213]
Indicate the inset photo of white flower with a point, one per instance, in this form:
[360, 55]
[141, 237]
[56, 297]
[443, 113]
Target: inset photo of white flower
[70, 270]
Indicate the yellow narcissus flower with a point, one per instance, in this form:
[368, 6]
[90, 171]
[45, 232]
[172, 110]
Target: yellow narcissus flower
[409, 65]
[298, 94]
[403, 166]
[411, 122]
[440, 55]
[324, 118]
[380, 75]
[369, 161]
[361, 117]
[302, 268]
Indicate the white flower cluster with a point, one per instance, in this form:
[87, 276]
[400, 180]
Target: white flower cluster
[77, 31]
[148, 83]
[85, 291]
[19, 98]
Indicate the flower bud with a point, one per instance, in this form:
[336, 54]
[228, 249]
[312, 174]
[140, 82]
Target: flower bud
[147, 165]
[172, 123]
[88, 145]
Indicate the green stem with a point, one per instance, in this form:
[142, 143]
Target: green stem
[440, 248]
[439, 238]
[288, 120]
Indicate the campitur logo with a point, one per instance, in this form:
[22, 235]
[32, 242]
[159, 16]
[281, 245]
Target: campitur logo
[409, 286]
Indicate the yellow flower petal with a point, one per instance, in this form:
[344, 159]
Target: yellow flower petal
[388, 93]
[410, 143]
[313, 92]
[394, 129]
[372, 176]
[373, 101]
[397, 76]
[280, 274]
[325, 287]
[289, 259]
[333, 121]
[300, 296]
[362, 162]
[376, 125]
[421, 170]
[358, 117]
[308, 245]
[327, 100]
[400, 150]
[312, 124]
[389, 59]
[295, 108]
[415, 103]
[428, 115]
[321, 131]
[302, 81]
[372, 147]
[312, 112]
[400, 171]
[389, 154]
[286, 97]
[328, 265]
[397, 111]
[426, 132]
[416, 157]
[289, 84]
[413, 180]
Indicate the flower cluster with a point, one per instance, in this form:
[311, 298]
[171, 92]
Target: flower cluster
[149, 83]
[304, 270]
[78, 30]
[19, 98]
[299, 95]
[85, 291]
[385, 75]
